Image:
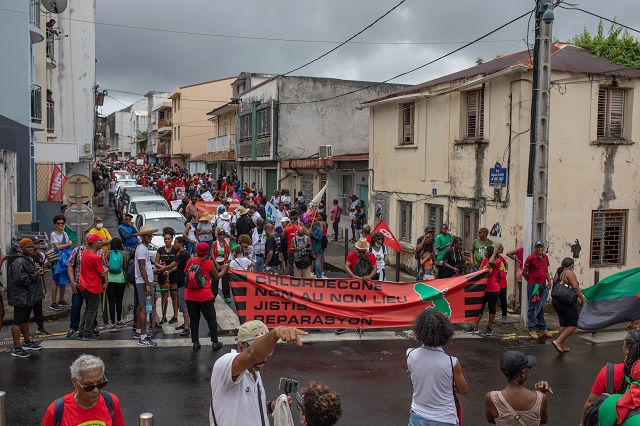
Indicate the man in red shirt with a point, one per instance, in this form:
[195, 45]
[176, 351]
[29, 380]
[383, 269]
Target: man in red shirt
[361, 252]
[224, 186]
[92, 284]
[88, 403]
[536, 272]
[167, 192]
[288, 235]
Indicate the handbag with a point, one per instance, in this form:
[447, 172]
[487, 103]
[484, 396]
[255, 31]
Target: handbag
[562, 293]
[52, 255]
[455, 395]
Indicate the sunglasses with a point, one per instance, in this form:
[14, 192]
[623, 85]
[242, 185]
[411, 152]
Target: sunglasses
[99, 385]
[59, 223]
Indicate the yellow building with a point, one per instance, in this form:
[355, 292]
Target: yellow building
[191, 127]
[455, 150]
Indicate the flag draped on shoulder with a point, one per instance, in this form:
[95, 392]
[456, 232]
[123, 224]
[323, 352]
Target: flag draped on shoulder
[614, 300]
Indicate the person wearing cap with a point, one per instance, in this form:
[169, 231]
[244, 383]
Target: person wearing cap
[225, 225]
[237, 393]
[92, 283]
[204, 231]
[244, 224]
[318, 405]
[144, 283]
[22, 283]
[74, 268]
[99, 229]
[502, 407]
[127, 233]
[536, 272]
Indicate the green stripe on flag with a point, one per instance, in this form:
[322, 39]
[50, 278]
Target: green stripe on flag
[622, 284]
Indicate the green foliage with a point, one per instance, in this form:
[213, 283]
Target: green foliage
[617, 46]
[479, 61]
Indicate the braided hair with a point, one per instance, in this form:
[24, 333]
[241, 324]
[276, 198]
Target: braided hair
[632, 343]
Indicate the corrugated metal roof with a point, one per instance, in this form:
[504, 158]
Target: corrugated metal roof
[564, 57]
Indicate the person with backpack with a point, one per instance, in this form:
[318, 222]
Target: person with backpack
[117, 262]
[623, 409]
[92, 283]
[361, 263]
[380, 251]
[200, 273]
[88, 403]
[611, 379]
[301, 249]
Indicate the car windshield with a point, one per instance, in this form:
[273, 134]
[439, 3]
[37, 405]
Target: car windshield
[121, 176]
[177, 223]
[140, 191]
[149, 206]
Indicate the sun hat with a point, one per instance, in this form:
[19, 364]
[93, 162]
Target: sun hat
[362, 244]
[91, 239]
[202, 248]
[225, 216]
[286, 219]
[242, 211]
[145, 230]
[251, 330]
[205, 217]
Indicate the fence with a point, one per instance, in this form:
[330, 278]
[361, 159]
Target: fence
[43, 179]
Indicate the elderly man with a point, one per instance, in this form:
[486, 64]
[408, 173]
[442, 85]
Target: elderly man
[22, 286]
[237, 392]
[88, 403]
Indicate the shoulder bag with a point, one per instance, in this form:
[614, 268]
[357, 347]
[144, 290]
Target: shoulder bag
[563, 293]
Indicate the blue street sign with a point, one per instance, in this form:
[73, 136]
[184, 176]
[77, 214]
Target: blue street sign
[498, 173]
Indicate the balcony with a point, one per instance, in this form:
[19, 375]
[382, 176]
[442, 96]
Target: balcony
[50, 118]
[35, 32]
[221, 148]
[36, 103]
[164, 123]
[263, 148]
[50, 49]
[164, 149]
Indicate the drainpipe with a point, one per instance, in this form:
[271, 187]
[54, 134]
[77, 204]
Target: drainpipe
[254, 130]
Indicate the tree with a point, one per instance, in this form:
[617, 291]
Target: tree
[617, 46]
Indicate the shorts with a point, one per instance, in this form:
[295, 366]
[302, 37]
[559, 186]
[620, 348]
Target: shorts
[182, 304]
[141, 293]
[21, 315]
[491, 298]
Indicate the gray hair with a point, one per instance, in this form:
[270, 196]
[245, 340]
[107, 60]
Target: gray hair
[366, 228]
[498, 245]
[85, 363]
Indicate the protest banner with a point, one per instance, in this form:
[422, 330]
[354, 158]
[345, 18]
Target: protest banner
[175, 204]
[353, 303]
[55, 184]
[211, 207]
[207, 196]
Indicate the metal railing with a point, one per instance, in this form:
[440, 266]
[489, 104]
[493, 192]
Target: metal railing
[36, 103]
[34, 13]
[50, 44]
[50, 118]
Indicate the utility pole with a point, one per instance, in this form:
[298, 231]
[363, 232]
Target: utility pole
[538, 172]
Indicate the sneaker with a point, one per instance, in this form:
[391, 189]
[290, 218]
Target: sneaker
[95, 331]
[227, 300]
[173, 320]
[471, 330]
[55, 307]
[159, 323]
[147, 342]
[42, 330]
[20, 353]
[136, 335]
[79, 335]
[340, 331]
[489, 332]
[120, 324]
[504, 320]
[112, 327]
[216, 346]
[90, 337]
[180, 327]
[30, 345]
[63, 303]
[71, 333]
[185, 332]
[196, 346]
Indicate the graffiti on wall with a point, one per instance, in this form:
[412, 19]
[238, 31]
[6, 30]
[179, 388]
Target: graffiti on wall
[496, 230]
[575, 249]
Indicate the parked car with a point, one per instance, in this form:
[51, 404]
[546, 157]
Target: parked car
[160, 220]
[125, 182]
[145, 203]
[122, 174]
[125, 192]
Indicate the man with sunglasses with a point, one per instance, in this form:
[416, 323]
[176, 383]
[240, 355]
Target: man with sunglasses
[127, 231]
[88, 403]
[237, 392]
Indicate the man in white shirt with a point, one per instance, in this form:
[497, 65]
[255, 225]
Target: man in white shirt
[223, 223]
[237, 392]
[258, 241]
[253, 212]
[144, 283]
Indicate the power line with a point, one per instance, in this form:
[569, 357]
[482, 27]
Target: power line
[414, 69]
[601, 17]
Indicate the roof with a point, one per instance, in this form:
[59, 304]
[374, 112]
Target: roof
[138, 198]
[228, 107]
[564, 58]
[200, 157]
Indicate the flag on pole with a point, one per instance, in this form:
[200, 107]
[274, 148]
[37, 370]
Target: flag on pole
[56, 184]
[389, 239]
[316, 200]
[273, 213]
[614, 300]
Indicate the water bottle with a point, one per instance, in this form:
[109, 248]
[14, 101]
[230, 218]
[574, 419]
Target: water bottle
[149, 304]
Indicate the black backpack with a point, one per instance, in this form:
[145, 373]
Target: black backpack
[131, 268]
[363, 267]
[591, 419]
[58, 410]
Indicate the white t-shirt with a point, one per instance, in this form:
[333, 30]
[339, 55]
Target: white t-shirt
[240, 264]
[61, 239]
[236, 403]
[379, 256]
[142, 252]
[224, 224]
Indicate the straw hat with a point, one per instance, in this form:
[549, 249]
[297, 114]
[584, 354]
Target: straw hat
[362, 244]
[145, 230]
[242, 211]
[205, 217]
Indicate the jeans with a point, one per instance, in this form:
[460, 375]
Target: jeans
[416, 420]
[111, 198]
[259, 266]
[91, 306]
[531, 311]
[191, 248]
[336, 230]
[76, 307]
[208, 311]
[290, 265]
[317, 265]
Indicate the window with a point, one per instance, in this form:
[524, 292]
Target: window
[610, 113]
[264, 122]
[435, 216]
[405, 220]
[469, 224]
[475, 114]
[176, 104]
[178, 136]
[608, 237]
[407, 118]
[175, 133]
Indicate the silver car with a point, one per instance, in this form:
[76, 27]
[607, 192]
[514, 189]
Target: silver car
[159, 221]
[145, 203]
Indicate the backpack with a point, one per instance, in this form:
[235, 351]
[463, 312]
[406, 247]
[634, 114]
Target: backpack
[301, 256]
[130, 276]
[115, 262]
[195, 278]
[363, 267]
[591, 419]
[58, 410]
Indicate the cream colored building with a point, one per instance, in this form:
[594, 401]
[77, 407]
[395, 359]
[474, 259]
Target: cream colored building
[191, 127]
[434, 145]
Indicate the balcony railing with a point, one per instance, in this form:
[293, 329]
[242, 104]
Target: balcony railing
[34, 13]
[263, 148]
[50, 118]
[50, 45]
[221, 143]
[36, 103]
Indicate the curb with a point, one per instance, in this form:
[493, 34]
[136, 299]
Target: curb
[54, 315]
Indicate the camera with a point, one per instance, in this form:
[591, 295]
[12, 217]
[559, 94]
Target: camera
[288, 385]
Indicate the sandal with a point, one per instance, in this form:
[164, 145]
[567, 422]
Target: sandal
[558, 347]
[4, 350]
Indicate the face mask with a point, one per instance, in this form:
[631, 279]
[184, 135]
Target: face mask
[99, 225]
[378, 244]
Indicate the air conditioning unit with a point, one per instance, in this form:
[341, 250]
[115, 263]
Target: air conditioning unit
[325, 152]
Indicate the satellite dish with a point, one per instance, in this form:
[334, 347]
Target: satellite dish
[55, 6]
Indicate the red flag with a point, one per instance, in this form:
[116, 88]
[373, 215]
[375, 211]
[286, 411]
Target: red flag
[389, 239]
[56, 184]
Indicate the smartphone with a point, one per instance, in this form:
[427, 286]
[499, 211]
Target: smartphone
[288, 385]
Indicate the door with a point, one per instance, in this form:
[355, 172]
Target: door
[363, 194]
[271, 182]
[469, 226]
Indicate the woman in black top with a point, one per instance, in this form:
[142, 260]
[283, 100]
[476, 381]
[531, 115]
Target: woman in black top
[453, 260]
[167, 280]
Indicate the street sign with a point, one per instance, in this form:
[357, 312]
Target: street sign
[498, 173]
[78, 189]
[79, 215]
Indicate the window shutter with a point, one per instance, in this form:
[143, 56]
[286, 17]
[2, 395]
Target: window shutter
[407, 122]
[472, 113]
[616, 109]
[602, 112]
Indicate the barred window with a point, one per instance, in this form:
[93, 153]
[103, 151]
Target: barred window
[608, 237]
[405, 220]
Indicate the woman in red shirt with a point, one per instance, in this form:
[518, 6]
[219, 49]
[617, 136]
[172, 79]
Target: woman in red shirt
[201, 300]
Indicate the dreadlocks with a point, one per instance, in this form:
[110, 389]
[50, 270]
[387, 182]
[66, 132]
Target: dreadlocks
[632, 343]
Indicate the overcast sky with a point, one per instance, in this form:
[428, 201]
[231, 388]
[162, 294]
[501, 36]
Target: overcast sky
[136, 60]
